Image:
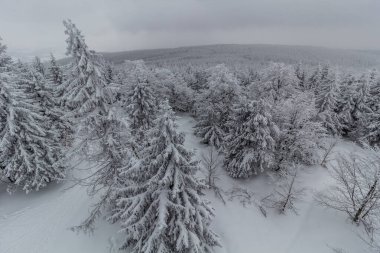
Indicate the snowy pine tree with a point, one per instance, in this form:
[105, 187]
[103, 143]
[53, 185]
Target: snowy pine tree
[5, 76]
[141, 105]
[198, 82]
[174, 88]
[5, 60]
[362, 109]
[109, 73]
[208, 128]
[162, 210]
[39, 66]
[327, 101]
[301, 135]
[346, 104]
[51, 107]
[314, 79]
[370, 132]
[250, 147]
[55, 88]
[87, 94]
[214, 106]
[374, 86]
[300, 73]
[278, 82]
[368, 124]
[55, 73]
[355, 107]
[114, 154]
[29, 154]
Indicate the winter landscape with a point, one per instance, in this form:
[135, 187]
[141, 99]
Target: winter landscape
[237, 146]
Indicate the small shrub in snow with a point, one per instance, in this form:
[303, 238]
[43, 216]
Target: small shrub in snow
[287, 191]
[246, 198]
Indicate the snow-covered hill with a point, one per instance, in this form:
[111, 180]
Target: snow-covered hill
[40, 222]
[256, 55]
[251, 55]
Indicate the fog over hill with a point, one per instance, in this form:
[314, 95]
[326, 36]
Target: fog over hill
[257, 54]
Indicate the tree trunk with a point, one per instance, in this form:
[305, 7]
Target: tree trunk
[367, 198]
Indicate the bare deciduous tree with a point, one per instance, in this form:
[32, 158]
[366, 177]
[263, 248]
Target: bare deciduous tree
[212, 161]
[287, 191]
[356, 190]
[328, 153]
[246, 198]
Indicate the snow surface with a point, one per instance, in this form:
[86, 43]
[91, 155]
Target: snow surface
[40, 221]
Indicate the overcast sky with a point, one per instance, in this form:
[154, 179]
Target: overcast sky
[32, 27]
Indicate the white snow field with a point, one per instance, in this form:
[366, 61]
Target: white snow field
[40, 221]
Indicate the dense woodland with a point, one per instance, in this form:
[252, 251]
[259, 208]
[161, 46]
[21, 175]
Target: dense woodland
[122, 118]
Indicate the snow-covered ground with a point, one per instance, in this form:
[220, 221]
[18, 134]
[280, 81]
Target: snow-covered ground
[40, 222]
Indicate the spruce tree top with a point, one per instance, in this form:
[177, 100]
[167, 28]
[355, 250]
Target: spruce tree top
[86, 90]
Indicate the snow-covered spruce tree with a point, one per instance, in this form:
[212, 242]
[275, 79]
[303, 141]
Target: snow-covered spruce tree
[102, 128]
[355, 108]
[314, 79]
[174, 88]
[198, 80]
[140, 102]
[55, 73]
[245, 76]
[301, 75]
[327, 101]
[250, 147]
[301, 135]
[109, 73]
[55, 88]
[50, 106]
[278, 82]
[362, 111]
[115, 153]
[222, 88]
[162, 210]
[87, 94]
[368, 127]
[209, 129]
[374, 86]
[214, 105]
[39, 66]
[5, 60]
[29, 153]
[5, 76]
[370, 132]
[346, 104]
[363, 96]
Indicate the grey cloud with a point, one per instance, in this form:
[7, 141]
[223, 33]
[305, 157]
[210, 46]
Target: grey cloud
[30, 26]
[226, 14]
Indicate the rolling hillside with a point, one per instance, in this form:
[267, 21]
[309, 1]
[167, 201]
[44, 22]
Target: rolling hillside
[250, 54]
